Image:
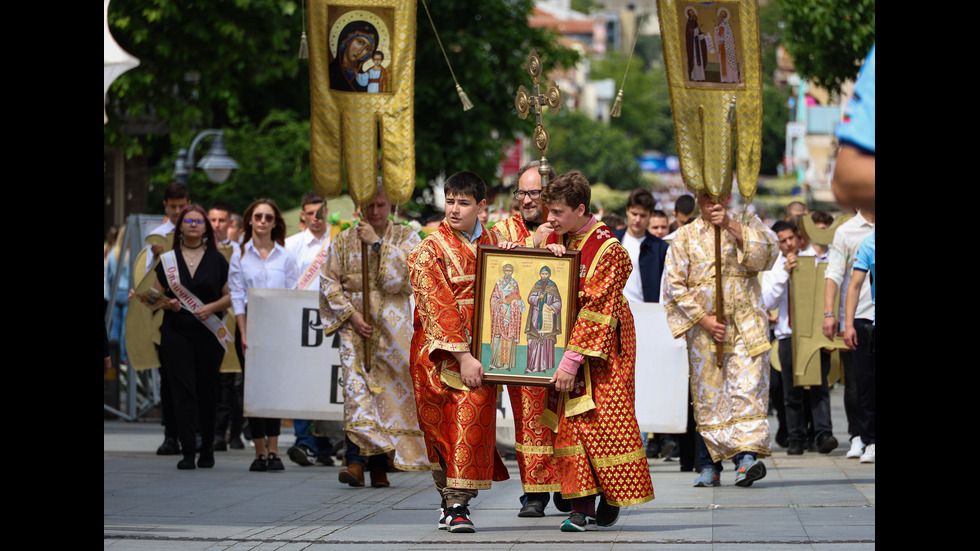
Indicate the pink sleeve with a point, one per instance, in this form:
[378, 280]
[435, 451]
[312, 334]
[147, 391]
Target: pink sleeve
[571, 361]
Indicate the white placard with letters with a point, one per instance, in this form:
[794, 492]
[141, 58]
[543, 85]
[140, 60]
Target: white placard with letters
[661, 377]
[291, 370]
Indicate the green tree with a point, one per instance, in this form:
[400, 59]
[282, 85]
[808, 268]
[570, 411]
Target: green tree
[204, 64]
[231, 64]
[274, 151]
[487, 43]
[828, 40]
[603, 153]
[646, 101]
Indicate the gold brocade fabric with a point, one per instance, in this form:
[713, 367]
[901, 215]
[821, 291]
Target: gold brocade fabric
[459, 423]
[348, 117]
[379, 404]
[535, 442]
[731, 402]
[600, 450]
[714, 71]
[513, 229]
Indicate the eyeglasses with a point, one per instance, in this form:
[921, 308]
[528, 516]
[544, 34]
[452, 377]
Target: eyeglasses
[192, 221]
[258, 217]
[520, 194]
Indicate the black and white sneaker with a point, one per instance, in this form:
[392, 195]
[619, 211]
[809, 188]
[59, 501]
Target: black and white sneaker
[458, 519]
[302, 455]
[443, 513]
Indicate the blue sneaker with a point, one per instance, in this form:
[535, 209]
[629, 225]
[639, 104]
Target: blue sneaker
[576, 522]
[749, 470]
[709, 477]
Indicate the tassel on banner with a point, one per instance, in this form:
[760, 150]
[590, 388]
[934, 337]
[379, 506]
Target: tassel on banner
[304, 50]
[617, 105]
[467, 104]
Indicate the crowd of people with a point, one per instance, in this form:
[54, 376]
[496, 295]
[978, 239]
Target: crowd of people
[414, 395]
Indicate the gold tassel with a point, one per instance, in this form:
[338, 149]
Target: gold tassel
[617, 105]
[467, 104]
[304, 50]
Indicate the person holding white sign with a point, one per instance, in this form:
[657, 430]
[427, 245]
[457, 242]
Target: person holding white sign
[263, 262]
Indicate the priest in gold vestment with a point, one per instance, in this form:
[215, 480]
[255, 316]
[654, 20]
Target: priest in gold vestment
[379, 405]
[731, 401]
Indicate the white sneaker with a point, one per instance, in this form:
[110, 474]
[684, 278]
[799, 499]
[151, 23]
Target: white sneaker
[857, 448]
[869, 454]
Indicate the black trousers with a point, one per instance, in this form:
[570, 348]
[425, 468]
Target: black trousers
[230, 406]
[191, 357]
[793, 399]
[864, 372]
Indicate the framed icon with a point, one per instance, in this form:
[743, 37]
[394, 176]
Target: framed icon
[526, 303]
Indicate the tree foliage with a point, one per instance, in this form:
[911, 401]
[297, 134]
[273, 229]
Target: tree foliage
[274, 158]
[487, 43]
[204, 64]
[232, 64]
[646, 101]
[603, 153]
[828, 40]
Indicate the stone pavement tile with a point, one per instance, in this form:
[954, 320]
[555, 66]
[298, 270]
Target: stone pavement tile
[762, 524]
[839, 524]
[680, 525]
[761, 546]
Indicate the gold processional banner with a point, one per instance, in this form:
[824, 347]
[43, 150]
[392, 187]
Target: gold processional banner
[714, 72]
[362, 84]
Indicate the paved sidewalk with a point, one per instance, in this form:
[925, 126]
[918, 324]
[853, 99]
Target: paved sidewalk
[806, 502]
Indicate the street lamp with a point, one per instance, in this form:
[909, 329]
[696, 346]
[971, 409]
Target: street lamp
[217, 164]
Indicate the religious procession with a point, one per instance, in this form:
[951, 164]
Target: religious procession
[405, 298]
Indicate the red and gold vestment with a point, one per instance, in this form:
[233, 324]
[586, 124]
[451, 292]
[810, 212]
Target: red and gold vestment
[598, 445]
[459, 423]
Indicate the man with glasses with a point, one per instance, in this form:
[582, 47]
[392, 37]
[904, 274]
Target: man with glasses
[534, 446]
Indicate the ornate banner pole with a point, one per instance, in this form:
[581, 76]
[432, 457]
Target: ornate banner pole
[523, 101]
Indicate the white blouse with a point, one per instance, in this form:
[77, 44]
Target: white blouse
[249, 270]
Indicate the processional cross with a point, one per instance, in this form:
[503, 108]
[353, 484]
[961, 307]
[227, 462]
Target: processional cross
[523, 101]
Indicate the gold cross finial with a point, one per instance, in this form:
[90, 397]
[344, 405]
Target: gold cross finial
[523, 102]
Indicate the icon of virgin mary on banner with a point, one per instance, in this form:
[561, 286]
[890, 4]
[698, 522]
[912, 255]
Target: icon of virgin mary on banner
[357, 43]
[362, 79]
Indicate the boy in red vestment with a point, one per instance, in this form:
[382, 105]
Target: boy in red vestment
[592, 409]
[457, 412]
